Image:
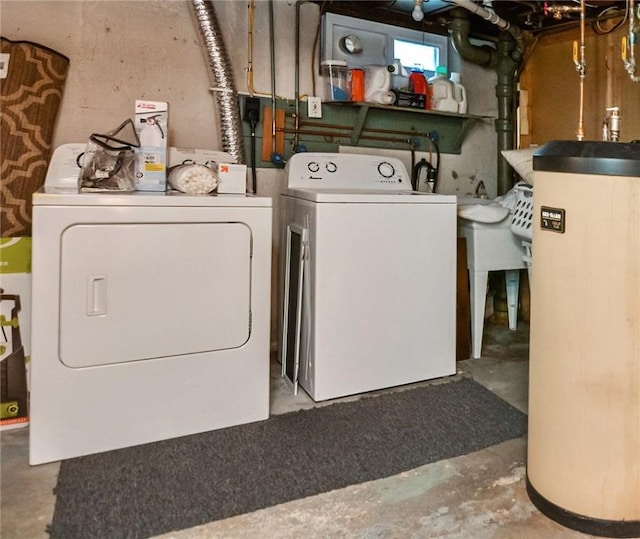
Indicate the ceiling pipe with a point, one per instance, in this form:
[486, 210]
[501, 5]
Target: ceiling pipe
[505, 59]
[493, 18]
[459, 29]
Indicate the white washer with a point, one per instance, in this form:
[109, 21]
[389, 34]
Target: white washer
[150, 315]
[369, 297]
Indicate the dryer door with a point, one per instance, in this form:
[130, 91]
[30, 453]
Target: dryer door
[132, 292]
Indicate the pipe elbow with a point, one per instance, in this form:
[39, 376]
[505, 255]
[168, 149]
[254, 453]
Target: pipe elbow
[483, 55]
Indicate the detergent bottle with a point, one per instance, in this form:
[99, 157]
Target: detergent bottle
[418, 84]
[399, 76]
[459, 92]
[442, 96]
[377, 85]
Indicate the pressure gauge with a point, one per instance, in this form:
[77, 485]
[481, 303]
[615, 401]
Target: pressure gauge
[351, 44]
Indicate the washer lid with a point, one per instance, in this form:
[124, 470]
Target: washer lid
[355, 196]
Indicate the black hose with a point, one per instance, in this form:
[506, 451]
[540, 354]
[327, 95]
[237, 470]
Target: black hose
[437, 166]
[254, 179]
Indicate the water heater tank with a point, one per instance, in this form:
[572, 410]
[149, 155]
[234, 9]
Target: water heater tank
[583, 464]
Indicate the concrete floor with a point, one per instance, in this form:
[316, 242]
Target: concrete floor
[480, 495]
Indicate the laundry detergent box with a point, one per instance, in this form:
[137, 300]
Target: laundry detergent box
[232, 178]
[15, 326]
[152, 123]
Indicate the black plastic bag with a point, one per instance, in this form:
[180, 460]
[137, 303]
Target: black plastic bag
[109, 159]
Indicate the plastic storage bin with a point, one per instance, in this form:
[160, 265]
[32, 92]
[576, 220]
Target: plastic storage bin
[335, 76]
[522, 221]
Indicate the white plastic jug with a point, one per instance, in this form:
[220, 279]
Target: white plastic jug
[442, 92]
[459, 93]
[377, 85]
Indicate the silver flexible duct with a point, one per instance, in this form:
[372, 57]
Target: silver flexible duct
[221, 78]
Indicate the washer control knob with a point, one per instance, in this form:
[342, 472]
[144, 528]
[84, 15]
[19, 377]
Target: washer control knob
[386, 169]
[313, 166]
[331, 167]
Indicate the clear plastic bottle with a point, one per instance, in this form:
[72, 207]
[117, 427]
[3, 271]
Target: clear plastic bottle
[442, 96]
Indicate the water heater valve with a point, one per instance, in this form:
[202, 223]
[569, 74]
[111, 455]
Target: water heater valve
[611, 125]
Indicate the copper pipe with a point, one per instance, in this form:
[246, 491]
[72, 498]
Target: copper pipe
[334, 135]
[581, 66]
[365, 129]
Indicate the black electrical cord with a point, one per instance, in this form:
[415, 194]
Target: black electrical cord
[432, 171]
[253, 122]
[251, 115]
[417, 174]
[597, 28]
[437, 166]
[414, 172]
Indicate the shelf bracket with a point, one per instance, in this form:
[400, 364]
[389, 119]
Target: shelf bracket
[359, 124]
[466, 124]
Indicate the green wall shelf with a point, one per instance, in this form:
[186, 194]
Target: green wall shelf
[365, 125]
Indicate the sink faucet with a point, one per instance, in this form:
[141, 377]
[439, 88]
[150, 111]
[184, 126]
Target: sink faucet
[481, 190]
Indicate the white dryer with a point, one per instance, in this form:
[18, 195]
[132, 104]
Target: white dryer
[150, 315]
[368, 273]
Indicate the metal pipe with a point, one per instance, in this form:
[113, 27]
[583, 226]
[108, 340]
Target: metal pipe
[296, 136]
[505, 123]
[349, 128]
[331, 135]
[221, 76]
[581, 66]
[250, 23]
[557, 11]
[632, 18]
[272, 48]
[628, 45]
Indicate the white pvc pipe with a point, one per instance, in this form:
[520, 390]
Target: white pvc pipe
[493, 18]
[486, 14]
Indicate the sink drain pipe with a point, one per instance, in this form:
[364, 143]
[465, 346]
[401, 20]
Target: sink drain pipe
[505, 59]
[221, 76]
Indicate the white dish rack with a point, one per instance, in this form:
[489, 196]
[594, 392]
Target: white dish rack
[522, 220]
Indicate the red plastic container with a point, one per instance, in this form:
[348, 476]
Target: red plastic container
[418, 85]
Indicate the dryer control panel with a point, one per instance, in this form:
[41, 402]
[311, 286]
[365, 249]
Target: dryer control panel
[347, 171]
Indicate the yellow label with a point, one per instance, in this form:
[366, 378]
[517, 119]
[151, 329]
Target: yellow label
[153, 167]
